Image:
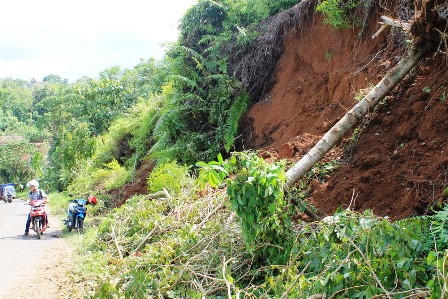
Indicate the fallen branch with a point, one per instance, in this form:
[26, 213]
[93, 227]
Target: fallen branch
[146, 238]
[224, 275]
[391, 22]
[285, 294]
[367, 261]
[207, 217]
[160, 194]
[414, 293]
[116, 242]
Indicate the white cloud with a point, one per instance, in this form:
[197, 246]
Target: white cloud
[83, 37]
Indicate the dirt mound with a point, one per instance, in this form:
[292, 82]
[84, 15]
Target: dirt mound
[137, 186]
[399, 164]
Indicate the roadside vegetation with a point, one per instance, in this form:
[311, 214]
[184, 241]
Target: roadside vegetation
[206, 229]
[189, 246]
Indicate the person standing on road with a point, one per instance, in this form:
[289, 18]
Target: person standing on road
[34, 194]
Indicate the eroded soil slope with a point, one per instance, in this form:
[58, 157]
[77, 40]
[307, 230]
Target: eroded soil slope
[399, 164]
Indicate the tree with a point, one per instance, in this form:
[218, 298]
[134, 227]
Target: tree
[52, 78]
[15, 161]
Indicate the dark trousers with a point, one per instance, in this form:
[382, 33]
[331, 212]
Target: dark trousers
[28, 222]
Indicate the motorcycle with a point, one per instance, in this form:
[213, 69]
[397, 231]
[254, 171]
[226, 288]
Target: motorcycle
[76, 213]
[38, 216]
[9, 197]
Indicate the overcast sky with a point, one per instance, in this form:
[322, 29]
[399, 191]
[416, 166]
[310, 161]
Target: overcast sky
[75, 38]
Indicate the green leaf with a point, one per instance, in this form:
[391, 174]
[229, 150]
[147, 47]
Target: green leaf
[220, 160]
[250, 219]
[252, 202]
[432, 256]
[234, 204]
[213, 178]
[201, 164]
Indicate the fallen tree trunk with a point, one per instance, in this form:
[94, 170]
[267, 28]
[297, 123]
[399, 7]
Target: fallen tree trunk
[368, 102]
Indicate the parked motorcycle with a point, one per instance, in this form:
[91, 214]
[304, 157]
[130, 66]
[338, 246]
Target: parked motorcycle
[9, 197]
[76, 212]
[38, 216]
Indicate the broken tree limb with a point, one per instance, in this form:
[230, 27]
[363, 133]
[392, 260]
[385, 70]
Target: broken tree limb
[367, 103]
[116, 242]
[396, 23]
[160, 194]
[387, 21]
[146, 238]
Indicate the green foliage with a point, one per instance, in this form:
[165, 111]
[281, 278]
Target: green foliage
[171, 176]
[15, 103]
[58, 203]
[360, 255]
[104, 100]
[255, 190]
[235, 112]
[69, 153]
[204, 102]
[191, 242]
[183, 248]
[337, 12]
[427, 89]
[211, 173]
[257, 196]
[137, 285]
[142, 137]
[111, 177]
[202, 110]
[52, 78]
[106, 291]
[120, 141]
[204, 18]
[19, 161]
[440, 226]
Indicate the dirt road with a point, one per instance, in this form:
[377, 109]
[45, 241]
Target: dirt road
[31, 268]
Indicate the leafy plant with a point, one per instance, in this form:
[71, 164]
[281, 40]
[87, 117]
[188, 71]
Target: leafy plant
[170, 176]
[337, 12]
[255, 190]
[112, 176]
[15, 161]
[427, 89]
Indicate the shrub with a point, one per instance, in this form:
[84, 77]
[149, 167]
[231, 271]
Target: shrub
[170, 176]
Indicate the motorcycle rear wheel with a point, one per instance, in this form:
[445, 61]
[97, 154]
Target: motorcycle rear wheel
[80, 223]
[37, 226]
[68, 224]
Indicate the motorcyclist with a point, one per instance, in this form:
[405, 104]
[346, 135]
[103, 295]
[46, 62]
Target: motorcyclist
[34, 194]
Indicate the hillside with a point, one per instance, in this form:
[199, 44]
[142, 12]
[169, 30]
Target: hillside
[232, 228]
[397, 164]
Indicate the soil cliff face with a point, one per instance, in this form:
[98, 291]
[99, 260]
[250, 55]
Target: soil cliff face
[398, 166]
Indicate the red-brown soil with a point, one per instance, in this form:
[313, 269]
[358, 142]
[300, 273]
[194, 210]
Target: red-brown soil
[137, 186]
[399, 165]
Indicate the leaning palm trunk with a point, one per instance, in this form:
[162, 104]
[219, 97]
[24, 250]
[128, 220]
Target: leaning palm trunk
[387, 84]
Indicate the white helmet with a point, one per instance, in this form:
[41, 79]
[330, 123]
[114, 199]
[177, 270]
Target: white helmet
[33, 183]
